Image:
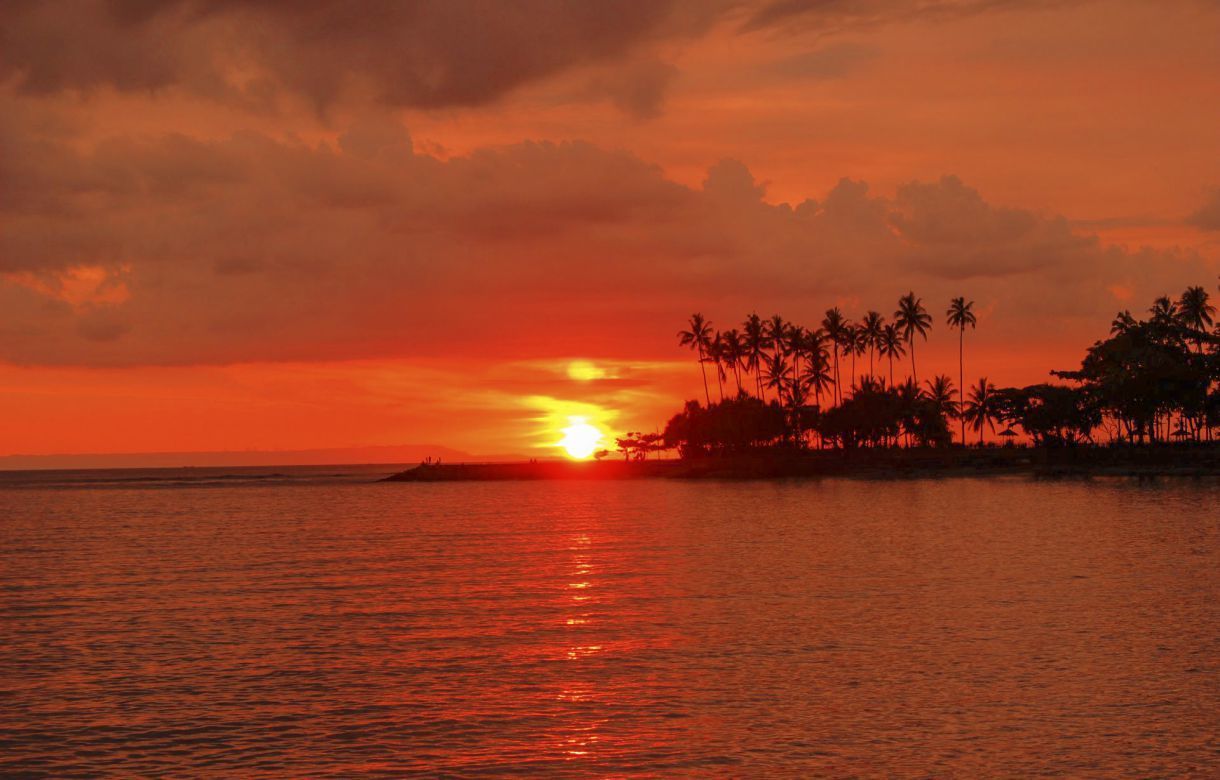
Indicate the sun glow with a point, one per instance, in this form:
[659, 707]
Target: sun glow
[580, 439]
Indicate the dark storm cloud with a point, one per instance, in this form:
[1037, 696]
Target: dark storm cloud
[836, 15]
[405, 52]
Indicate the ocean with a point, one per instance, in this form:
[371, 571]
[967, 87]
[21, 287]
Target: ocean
[312, 622]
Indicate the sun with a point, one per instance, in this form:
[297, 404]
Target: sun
[580, 440]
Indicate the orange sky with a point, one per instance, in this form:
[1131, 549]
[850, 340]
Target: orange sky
[250, 226]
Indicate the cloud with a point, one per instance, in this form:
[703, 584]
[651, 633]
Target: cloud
[640, 88]
[960, 235]
[829, 62]
[831, 16]
[405, 53]
[1208, 215]
[175, 250]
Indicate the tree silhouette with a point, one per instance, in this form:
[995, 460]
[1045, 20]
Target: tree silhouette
[1152, 380]
[715, 353]
[698, 337]
[754, 348]
[775, 374]
[818, 374]
[871, 328]
[1123, 322]
[982, 408]
[835, 327]
[1195, 311]
[940, 395]
[732, 351]
[890, 346]
[959, 315]
[1164, 310]
[912, 318]
[853, 344]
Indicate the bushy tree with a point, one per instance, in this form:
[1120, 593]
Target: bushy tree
[733, 425]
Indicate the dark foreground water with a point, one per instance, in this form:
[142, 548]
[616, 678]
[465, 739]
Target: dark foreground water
[309, 625]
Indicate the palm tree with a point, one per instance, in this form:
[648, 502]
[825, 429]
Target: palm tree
[795, 341]
[1164, 310]
[871, 328]
[1123, 322]
[909, 395]
[980, 410]
[912, 318]
[959, 315]
[732, 349]
[755, 348]
[861, 346]
[817, 371]
[715, 353]
[835, 326]
[940, 394]
[1195, 312]
[775, 374]
[698, 337]
[890, 346]
[851, 342]
[777, 333]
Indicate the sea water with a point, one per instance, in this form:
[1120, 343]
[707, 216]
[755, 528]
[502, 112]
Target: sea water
[313, 622]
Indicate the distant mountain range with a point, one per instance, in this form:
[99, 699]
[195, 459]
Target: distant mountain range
[395, 454]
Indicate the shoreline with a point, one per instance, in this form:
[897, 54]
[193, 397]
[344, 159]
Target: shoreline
[1196, 460]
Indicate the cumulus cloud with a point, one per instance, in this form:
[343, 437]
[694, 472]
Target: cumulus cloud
[172, 249]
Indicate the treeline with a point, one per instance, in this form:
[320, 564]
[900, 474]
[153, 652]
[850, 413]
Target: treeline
[779, 384]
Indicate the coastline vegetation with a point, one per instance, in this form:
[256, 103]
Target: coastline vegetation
[842, 384]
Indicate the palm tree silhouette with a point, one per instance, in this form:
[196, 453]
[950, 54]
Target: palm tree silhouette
[1164, 310]
[959, 315]
[817, 370]
[871, 328]
[698, 337]
[890, 346]
[755, 348]
[940, 394]
[981, 409]
[835, 326]
[909, 395]
[912, 318]
[862, 346]
[715, 353]
[853, 338]
[1123, 322]
[776, 330]
[795, 338]
[775, 374]
[732, 351]
[1195, 311]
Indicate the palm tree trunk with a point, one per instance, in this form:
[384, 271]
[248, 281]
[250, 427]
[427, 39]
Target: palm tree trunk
[703, 370]
[891, 370]
[914, 376]
[837, 395]
[961, 379]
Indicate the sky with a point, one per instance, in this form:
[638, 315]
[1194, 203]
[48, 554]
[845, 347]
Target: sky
[235, 226]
